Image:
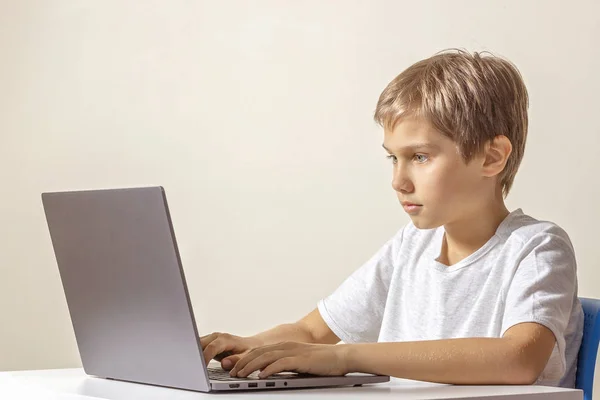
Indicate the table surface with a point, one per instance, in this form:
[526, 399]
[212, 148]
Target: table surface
[74, 384]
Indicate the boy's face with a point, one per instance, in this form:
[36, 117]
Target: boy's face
[433, 183]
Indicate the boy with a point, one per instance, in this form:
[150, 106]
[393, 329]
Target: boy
[468, 293]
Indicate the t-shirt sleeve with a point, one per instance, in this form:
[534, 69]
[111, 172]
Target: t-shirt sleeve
[354, 311]
[543, 290]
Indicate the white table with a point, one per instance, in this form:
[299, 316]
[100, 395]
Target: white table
[74, 384]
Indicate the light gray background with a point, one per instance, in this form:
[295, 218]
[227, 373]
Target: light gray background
[256, 116]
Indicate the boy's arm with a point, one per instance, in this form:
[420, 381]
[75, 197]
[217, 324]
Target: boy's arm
[310, 329]
[519, 357]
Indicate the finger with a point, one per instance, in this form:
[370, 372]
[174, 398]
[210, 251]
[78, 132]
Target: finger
[257, 352]
[229, 362]
[281, 365]
[206, 339]
[251, 355]
[223, 355]
[260, 362]
[216, 347]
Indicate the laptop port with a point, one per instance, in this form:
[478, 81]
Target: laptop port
[270, 384]
[234, 385]
[253, 385]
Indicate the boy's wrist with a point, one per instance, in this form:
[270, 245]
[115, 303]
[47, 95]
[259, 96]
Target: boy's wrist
[347, 353]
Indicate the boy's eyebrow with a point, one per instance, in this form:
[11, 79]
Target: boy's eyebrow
[415, 147]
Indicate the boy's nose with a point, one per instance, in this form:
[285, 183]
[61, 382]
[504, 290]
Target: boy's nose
[402, 183]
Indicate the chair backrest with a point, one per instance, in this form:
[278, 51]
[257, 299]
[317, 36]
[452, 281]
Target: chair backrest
[586, 361]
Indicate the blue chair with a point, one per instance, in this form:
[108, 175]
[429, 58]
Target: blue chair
[586, 361]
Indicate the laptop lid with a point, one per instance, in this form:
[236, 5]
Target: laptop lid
[125, 287]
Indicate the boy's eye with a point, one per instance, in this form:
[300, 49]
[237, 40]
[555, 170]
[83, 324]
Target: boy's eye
[393, 158]
[420, 158]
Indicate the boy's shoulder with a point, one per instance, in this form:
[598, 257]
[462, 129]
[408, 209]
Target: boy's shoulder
[525, 228]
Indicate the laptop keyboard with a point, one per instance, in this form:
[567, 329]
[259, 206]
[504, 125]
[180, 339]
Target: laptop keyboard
[219, 374]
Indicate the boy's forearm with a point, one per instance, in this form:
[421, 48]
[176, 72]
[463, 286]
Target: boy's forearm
[454, 361]
[287, 332]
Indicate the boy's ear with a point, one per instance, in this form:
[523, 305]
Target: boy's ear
[496, 155]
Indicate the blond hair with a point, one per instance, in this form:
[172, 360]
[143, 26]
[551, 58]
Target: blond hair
[471, 98]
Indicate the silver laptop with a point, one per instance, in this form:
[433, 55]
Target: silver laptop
[127, 296]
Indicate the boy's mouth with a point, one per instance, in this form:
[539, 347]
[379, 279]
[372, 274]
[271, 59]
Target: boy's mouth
[411, 208]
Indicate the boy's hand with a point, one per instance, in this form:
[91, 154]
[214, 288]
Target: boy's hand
[316, 359]
[226, 348]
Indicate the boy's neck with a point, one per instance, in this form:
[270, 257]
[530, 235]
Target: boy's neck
[463, 238]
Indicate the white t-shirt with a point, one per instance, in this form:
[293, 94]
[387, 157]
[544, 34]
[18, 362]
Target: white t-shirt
[525, 273]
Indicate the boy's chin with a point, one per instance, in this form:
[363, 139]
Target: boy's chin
[423, 223]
